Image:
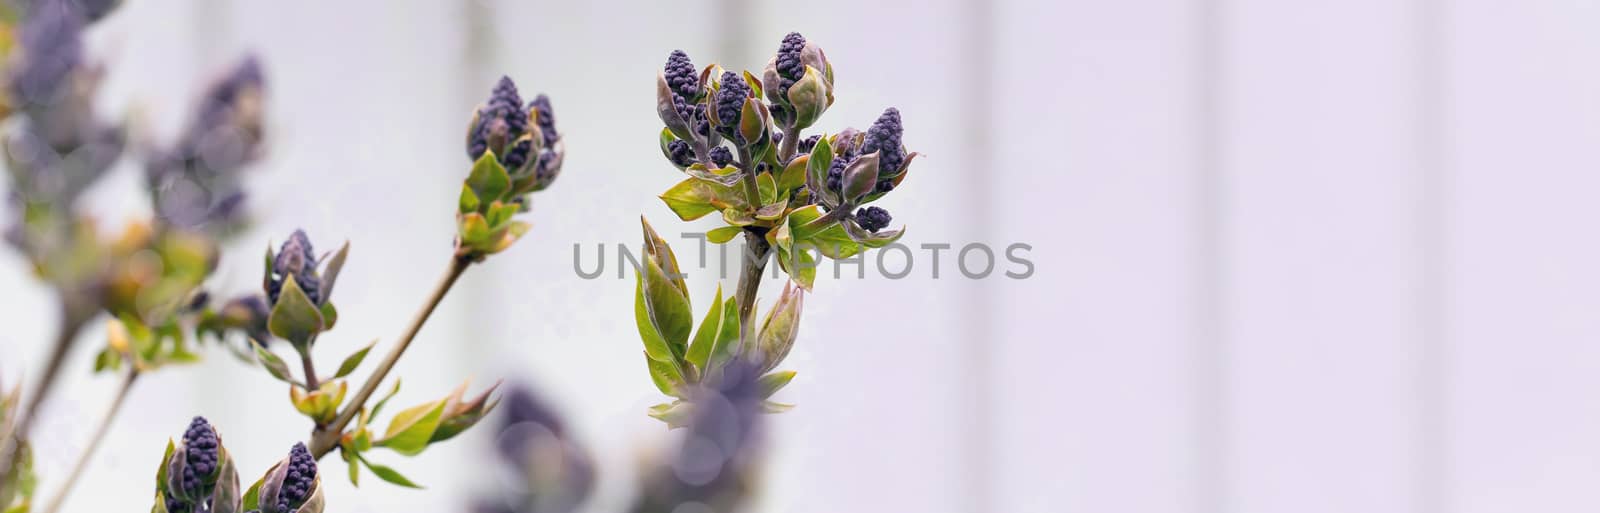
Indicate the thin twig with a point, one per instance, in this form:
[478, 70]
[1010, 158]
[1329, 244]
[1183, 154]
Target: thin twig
[325, 439]
[94, 442]
[71, 323]
[309, 368]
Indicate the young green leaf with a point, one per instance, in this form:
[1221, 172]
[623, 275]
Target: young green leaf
[705, 338]
[294, 318]
[771, 383]
[411, 429]
[274, 365]
[488, 179]
[665, 375]
[353, 361]
[387, 474]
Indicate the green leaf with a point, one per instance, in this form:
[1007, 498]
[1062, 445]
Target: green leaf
[800, 265]
[817, 165]
[705, 338]
[388, 474]
[473, 229]
[330, 316]
[411, 429]
[354, 468]
[274, 365]
[385, 400]
[722, 235]
[829, 238]
[166, 457]
[676, 414]
[488, 179]
[655, 347]
[354, 360]
[691, 199]
[330, 273]
[771, 383]
[767, 188]
[294, 318]
[751, 124]
[469, 201]
[728, 340]
[667, 307]
[665, 375]
[252, 496]
[775, 407]
[695, 197]
[794, 175]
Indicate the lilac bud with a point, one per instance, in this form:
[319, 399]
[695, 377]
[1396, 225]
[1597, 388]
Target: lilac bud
[721, 156]
[680, 154]
[300, 479]
[808, 144]
[295, 258]
[789, 67]
[682, 76]
[198, 183]
[884, 138]
[730, 101]
[51, 52]
[498, 122]
[200, 445]
[872, 218]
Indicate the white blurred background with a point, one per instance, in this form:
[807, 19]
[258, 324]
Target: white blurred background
[1311, 256]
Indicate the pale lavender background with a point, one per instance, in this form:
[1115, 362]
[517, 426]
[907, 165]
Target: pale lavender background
[1311, 256]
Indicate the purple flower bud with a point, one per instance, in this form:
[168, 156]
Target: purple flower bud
[298, 481]
[200, 451]
[680, 153]
[721, 156]
[198, 182]
[499, 121]
[884, 138]
[836, 172]
[682, 77]
[872, 218]
[298, 259]
[808, 144]
[51, 51]
[790, 69]
[730, 100]
[547, 119]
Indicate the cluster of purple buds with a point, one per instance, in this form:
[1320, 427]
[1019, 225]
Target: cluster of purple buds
[804, 147]
[721, 156]
[523, 138]
[52, 85]
[730, 100]
[291, 486]
[872, 218]
[787, 62]
[680, 154]
[198, 182]
[298, 480]
[200, 450]
[884, 138]
[683, 84]
[295, 258]
[799, 82]
[199, 477]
